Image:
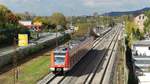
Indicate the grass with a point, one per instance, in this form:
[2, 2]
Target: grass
[29, 72]
[121, 73]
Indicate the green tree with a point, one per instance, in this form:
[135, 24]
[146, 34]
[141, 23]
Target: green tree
[147, 22]
[38, 18]
[130, 31]
[58, 19]
[84, 28]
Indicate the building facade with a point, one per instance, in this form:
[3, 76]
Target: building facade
[141, 59]
[139, 21]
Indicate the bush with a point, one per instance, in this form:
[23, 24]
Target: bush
[10, 31]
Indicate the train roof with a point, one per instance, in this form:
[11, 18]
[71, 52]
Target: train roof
[71, 44]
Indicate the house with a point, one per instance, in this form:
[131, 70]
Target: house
[141, 59]
[27, 24]
[37, 26]
[139, 21]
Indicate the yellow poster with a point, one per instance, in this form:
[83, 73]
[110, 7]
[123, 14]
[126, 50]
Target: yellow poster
[22, 40]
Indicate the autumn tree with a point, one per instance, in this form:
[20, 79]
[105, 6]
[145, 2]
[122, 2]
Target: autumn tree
[9, 26]
[38, 18]
[6, 16]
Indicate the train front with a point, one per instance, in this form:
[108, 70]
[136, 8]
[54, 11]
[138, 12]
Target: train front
[59, 60]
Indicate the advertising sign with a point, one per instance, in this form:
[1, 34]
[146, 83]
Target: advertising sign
[22, 40]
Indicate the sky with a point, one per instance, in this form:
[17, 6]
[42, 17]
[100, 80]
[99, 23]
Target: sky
[73, 7]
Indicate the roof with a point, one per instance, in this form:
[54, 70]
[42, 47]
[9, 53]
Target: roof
[26, 23]
[137, 14]
[142, 43]
[72, 43]
[144, 79]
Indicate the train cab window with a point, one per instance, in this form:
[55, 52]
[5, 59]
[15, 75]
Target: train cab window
[59, 58]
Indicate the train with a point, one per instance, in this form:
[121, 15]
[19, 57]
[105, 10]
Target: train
[65, 57]
[99, 31]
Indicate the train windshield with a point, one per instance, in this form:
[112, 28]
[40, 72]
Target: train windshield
[59, 58]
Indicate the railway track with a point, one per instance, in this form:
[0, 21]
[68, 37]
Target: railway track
[89, 71]
[84, 74]
[103, 66]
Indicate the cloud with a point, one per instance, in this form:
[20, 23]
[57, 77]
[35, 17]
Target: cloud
[27, 1]
[96, 3]
[112, 3]
[74, 7]
[116, 5]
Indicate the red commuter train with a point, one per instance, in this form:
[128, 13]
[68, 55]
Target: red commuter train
[64, 57]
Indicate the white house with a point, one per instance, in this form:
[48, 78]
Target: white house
[139, 21]
[27, 24]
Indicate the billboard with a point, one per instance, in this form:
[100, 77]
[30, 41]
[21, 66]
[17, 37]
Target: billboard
[22, 40]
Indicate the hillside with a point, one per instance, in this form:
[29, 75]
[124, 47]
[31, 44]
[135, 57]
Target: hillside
[126, 12]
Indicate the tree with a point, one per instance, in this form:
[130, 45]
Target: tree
[58, 19]
[147, 23]
[11, 18]
[84, 28]
[9, 27]
[6, 16]
[38, 18]
[133, 32]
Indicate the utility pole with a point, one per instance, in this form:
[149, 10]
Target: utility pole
[15, 69]
[56, 36]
